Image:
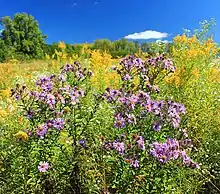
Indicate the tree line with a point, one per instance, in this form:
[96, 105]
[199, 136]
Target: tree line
[22, 39]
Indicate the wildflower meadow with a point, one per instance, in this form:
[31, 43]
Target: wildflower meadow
[89, 122]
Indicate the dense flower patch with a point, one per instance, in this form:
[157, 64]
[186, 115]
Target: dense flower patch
[152, 130]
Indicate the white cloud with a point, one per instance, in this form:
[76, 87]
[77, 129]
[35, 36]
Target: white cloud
[148, 34]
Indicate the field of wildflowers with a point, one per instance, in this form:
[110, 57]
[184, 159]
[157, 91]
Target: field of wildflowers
[90, 123]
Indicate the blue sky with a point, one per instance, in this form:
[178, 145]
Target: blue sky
[87, 20]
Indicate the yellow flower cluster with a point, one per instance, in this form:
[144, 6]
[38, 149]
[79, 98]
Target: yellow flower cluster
[6, 93]
[6, 72]
[176, 78]
[21, 135]
[61, 54]
[195, 72]
[190, 56]
[192, 48]
[3, 113]
[214, 75]
[101, 63]
[85, 49]
[180, 39]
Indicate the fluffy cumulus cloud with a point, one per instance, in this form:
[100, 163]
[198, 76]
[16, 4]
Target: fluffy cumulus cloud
[149, 34]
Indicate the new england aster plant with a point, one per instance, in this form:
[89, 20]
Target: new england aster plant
[142, 119]
[58, 104]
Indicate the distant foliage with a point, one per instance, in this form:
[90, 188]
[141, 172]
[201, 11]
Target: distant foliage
[22, 36]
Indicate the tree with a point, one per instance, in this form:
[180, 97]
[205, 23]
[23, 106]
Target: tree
[23, 34]
[123, 47]
[103, 45]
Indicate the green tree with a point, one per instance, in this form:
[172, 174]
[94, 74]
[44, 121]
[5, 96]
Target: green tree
[103, 45]
[123, 47]
[23, 34]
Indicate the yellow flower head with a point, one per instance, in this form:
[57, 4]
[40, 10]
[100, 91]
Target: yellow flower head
[192, 53]
[21, 135]
[3, 113]
[6, 93]
[61, 45]
[180, 39]
[193, 39]
[195, 72]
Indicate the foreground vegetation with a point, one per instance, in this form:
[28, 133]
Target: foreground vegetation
[91, 123]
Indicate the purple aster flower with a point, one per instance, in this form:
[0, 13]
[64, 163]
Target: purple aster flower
[168, 65]
[82, 142]
[130, 63]
[67, 68]
[74, 100]
[112, 95]
[173, 144]
[182, 109]
[51, 100]
[132, 101]
[126, 77]
[62, 77]
[45, 83]
[119, 146]
[149, 86]
[156, 107]
[17, 97]
[42, 96]
[186, 159]
[148, 105]
[131, 118]
[176, 121]
[174, 112]
[186, 142]
[34, 94]
[165, 151]
[42, 130]
[58, 123]
[50, 123]
[160, 152]
[43, 166]
[81, 92]
[61, 98]
[157, 126]
[141, 143]
[119, 122]
[175, 154]
[170, 150]
[195, 165]
[135, 163]
[47, 86]
[79, 75]
[123, 100]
